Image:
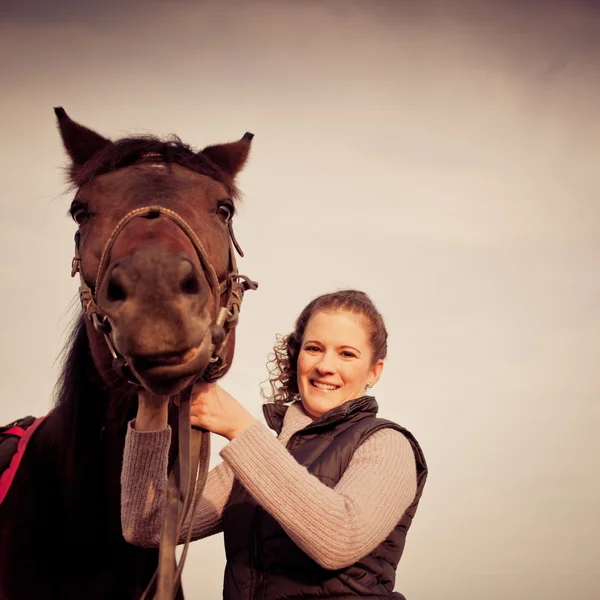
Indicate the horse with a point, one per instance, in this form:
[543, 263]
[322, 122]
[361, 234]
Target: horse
[154, 251]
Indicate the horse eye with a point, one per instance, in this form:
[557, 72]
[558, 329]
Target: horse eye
[79, 214]
[225, 211]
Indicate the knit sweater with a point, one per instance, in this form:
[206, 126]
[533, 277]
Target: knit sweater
[335, 527]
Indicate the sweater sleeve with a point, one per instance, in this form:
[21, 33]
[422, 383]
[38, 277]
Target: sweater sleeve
[144, 486]
[336, 527]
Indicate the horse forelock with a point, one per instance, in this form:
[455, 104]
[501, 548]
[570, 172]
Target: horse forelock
[128, 151]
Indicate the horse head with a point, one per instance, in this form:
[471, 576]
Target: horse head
[154, 249]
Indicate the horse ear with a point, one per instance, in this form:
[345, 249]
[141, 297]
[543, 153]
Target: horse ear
[230, 157]
[80, 142]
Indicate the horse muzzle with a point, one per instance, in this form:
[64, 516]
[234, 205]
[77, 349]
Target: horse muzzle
[169, 373]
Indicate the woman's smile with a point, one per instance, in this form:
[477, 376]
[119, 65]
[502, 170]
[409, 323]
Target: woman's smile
[321, 385]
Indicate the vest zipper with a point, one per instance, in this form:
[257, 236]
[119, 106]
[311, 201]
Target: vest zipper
[257, 557]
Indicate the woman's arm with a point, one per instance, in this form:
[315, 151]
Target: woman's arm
[144, 482]
[336, 527]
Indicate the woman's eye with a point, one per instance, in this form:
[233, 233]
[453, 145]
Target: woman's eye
[347, 354]
[311, 348]
[225, 211]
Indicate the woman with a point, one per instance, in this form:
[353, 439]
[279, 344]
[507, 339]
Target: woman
[323, 509]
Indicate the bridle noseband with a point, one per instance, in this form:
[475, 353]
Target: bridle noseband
[185, 483]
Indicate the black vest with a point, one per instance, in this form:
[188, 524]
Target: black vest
[263, 563]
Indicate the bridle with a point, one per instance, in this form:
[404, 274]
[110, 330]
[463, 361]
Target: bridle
[185, 483]
[234, 285]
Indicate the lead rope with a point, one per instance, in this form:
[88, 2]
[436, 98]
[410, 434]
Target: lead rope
[196, 445]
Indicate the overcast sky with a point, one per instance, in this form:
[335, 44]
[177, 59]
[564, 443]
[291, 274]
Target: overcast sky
[442, 156]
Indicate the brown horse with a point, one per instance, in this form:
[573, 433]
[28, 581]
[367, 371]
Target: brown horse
[154, 302]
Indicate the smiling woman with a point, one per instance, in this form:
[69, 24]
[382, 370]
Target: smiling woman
[335, 353]
[322, 510]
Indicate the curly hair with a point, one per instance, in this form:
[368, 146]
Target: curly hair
[283, 362]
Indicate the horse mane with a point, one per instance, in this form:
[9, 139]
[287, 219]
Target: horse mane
[129, 150]
[86, 409]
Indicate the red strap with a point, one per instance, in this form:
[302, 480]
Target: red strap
[9, 474]
[18, 431]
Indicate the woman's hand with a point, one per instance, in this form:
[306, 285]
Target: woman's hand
[218, 411]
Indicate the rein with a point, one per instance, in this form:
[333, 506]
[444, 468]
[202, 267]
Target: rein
[185, 484]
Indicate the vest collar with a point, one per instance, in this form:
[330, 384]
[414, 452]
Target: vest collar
[274, 413]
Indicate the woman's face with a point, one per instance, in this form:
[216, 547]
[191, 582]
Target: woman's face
[335, 361]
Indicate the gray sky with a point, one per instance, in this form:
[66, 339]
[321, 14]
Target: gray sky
[442, 156]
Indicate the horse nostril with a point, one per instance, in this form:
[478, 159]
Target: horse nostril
[190, 285]
[115, 292]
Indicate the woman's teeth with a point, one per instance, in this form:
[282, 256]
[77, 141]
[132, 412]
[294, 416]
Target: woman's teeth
[324, 386]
